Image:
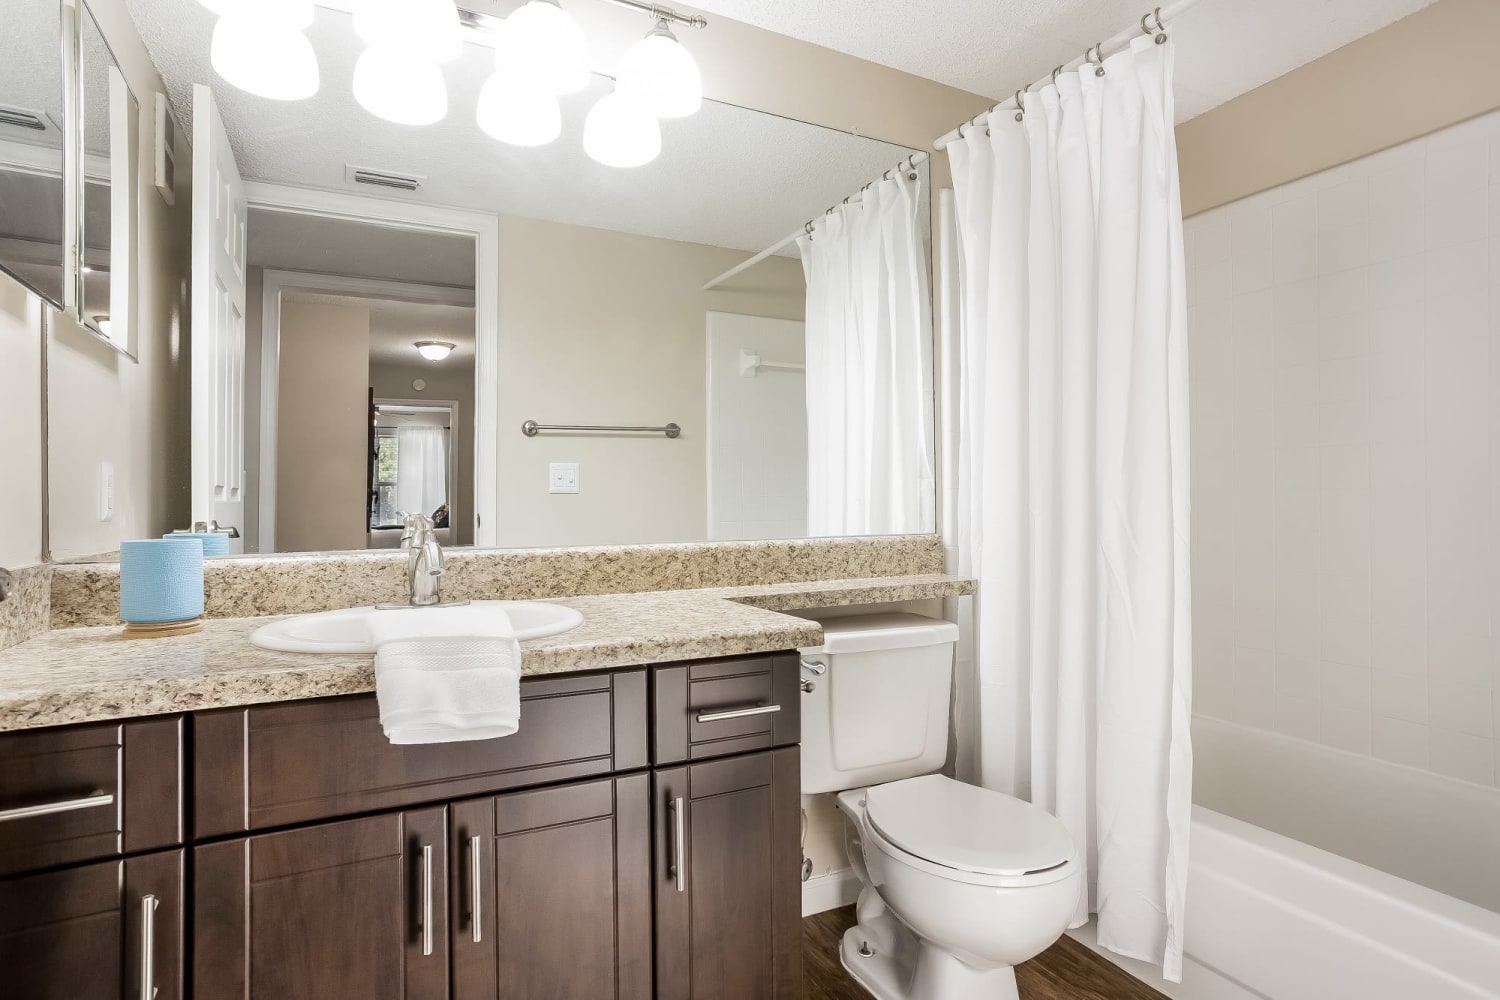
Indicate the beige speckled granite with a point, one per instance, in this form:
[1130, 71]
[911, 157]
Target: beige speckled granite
[84, 595]
[25, 613]
[91, 674]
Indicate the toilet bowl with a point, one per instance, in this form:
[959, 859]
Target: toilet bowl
[960, 883]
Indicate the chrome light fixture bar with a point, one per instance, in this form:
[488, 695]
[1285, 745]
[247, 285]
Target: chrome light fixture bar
[486, 22]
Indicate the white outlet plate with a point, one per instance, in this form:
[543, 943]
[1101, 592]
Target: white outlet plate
[562, 477]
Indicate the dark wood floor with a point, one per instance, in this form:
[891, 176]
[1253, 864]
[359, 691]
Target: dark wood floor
[1066, 971]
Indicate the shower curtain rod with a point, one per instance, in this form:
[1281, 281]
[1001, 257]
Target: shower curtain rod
[1151, 23]
[913, 160]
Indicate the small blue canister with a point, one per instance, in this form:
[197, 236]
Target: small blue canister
[161, 580]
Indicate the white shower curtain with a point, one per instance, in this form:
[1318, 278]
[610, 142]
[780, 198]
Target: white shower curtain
[1072, 507]
[421, 468]
[869, 358]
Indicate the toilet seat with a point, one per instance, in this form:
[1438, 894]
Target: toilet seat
[968, 834]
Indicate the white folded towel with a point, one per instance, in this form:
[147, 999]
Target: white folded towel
[446, 674]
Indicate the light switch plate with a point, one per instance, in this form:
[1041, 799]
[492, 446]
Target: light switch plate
[562, 477]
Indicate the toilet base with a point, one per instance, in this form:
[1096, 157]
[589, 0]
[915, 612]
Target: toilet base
[892, 963]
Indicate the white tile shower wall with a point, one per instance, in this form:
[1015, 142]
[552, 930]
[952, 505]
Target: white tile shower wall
[1345, 359]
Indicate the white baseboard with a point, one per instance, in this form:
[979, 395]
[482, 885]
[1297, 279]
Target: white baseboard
[829, 892]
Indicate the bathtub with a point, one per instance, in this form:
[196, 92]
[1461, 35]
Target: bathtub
[1316, 874]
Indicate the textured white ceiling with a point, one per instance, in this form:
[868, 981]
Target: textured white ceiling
[727, 176]
[995, 47]
[395, 326]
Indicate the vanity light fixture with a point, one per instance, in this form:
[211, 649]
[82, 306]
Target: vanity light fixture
[260, 47]
[661, 74]
[513, 107]
[434, 350]
[398, 76]
[541, 53]
[547, 46]
[620, 132]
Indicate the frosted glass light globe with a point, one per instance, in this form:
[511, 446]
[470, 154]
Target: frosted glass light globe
[543, 42]
[391, 85]
[516, 111]
[620, 133]
[661, 74]
[264, 54]
[428, 30]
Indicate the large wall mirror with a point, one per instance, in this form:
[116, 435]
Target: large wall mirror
[531, 346]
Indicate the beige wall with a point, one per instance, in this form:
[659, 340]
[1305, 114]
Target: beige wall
[21, 444]
[603, 328]
[1422, 73]
[103, 406]
[443, 382]
[322, 430]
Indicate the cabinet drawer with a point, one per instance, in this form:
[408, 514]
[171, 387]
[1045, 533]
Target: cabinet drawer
[722, 707]
[271, 765]
[86, 792]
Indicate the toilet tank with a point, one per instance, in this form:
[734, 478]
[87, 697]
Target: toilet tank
[879, 709]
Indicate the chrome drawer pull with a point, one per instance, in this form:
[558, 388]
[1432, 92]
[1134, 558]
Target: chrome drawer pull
[49, 808]
[738, 713]
[148, 946]
[475, 845]
[426, 899]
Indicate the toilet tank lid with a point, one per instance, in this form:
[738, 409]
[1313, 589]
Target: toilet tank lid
[867, 633]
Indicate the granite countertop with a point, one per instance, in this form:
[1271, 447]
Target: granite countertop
[78, 675]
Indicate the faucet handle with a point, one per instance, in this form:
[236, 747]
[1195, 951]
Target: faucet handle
[418, 531]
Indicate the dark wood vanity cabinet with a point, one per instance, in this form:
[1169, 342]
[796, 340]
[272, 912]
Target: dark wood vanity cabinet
[637, 838]
[728, 899]
[110, 930]
[552, 893]
[357, 908]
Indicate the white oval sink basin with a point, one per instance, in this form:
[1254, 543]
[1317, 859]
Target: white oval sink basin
[345, 632]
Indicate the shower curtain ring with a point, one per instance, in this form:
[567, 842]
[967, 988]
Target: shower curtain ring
[1055, 73]
[1161, 29]
[1095, 55]
[1020, 107]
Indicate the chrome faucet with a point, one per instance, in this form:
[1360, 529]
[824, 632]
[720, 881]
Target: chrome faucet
[424, 567]
[424, 561]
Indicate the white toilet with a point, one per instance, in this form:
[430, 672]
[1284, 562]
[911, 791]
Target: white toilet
[961, 883]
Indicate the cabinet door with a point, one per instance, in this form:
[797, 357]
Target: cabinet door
[106, 931]
[728, 889]
[552, 893]
[351, 909]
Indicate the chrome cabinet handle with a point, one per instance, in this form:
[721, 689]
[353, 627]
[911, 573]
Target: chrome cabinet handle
[679, 849]
[476, 899]
[426, 899]
[93, 801]
[148, 946]
[738, 713]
